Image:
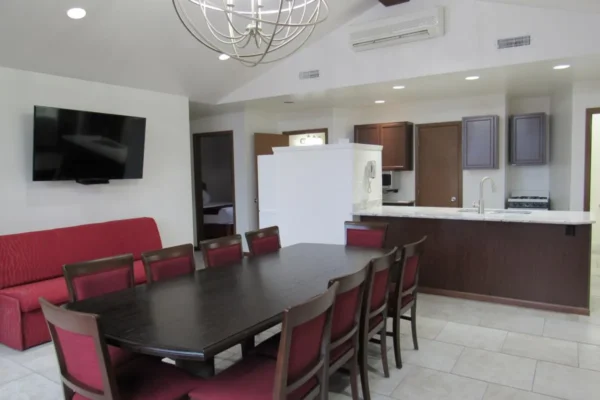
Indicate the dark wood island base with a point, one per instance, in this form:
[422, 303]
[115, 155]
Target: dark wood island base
[543, 266]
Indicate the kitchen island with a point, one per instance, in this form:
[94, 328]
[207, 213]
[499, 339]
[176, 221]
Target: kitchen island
[537, 259]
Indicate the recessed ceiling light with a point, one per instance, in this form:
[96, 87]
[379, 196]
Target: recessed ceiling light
[563, 66]
[379, 101]
[224, 57]
[288, 102]
[399, 87]
[76, 13]
[472, 78]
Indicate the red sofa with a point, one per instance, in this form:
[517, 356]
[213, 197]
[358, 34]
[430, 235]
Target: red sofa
[31, 267]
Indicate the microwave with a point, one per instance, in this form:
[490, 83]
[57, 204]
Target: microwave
[386, 179]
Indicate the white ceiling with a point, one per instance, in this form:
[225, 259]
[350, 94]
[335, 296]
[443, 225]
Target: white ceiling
[134, 43]
[574, 5]
[523, 80]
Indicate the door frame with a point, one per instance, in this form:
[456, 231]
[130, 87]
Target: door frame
[460, 167]
[199, 216]
[587, 169]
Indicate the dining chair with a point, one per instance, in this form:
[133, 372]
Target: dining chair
[98, 277]
[403, 293]
[366, 234]
[374, 315]
[222, 251]
[169, 262]
[301, 370]
[345, 327]
[263, 241]
[86, 369]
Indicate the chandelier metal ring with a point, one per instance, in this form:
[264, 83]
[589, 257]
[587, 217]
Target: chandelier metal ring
[252, 31]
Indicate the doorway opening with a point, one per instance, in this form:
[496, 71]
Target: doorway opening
[214, 185]
[438, 175]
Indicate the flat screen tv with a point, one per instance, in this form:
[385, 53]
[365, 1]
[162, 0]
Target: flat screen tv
[86, 147]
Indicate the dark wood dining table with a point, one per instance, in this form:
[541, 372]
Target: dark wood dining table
[194, 317]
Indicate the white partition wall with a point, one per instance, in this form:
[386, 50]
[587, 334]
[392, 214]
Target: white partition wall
[310, 191]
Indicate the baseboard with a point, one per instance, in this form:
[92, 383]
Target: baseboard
[506, 301]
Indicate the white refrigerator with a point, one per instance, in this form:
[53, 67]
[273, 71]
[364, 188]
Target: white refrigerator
[309, 192]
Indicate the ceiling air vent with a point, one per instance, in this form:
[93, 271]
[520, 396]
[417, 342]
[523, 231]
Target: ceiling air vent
[314, 74]
[518, 41]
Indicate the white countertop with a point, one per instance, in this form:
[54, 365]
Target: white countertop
[536, 217]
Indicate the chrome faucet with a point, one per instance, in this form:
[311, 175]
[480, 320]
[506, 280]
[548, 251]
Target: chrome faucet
[481, 203]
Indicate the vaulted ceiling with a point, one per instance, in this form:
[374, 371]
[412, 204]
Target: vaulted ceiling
[134, 43]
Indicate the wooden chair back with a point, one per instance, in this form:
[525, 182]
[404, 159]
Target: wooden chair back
[347, 311]
[366, 234]
[169, 262]
[377, 293]
[298, 359]
[98, 277]
[263, 241]
[82, 354]
[408, 262]
[222, 251]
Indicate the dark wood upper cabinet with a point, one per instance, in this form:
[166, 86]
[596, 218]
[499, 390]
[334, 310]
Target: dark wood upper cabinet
[367, 134]
[480, 142]
[396, 139]
[528, 139]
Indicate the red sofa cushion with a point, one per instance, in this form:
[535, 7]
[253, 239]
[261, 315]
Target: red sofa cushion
[36, 256]
[139, 273]
[53, 290]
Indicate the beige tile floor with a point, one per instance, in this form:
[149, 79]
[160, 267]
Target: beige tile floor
[468, 350]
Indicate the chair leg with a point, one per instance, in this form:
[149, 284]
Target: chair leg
[383, 348]
[354, 376]
[396, 339]
[68, 393]
[364, 370]
[413, 325]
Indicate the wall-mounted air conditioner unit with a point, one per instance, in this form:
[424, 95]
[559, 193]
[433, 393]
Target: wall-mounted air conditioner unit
[397, 30]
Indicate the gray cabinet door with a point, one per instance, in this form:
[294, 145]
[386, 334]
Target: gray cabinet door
[528, 139]
[480, 142]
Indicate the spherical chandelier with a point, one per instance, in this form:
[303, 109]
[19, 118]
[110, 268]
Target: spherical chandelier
[252, 31]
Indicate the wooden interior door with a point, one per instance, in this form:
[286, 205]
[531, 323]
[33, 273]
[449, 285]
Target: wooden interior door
[263, 145]
[197, 162]
[439, 165]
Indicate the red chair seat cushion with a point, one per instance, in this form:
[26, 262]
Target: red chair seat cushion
[147, 378]
[250, 379]
[265, 245]
[224, 255]
[365, 237]
[171, 268]
[53, 290]
[375, 321]
[139, 273]
[339, 351]
[101, 283]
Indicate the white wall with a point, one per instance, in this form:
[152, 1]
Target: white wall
[243, 124]
[586, 94]
[164, 193]
[561, 120]
[470, 43]
[532, 177]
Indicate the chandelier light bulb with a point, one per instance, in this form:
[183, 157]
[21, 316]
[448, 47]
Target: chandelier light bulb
[252, 31]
